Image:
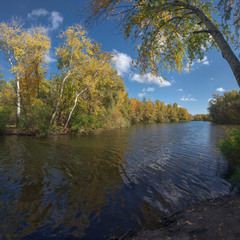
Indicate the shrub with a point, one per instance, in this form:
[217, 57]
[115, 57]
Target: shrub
[36, 121]
[230, 148]
[4, 118]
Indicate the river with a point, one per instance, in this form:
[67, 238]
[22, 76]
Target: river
[99, 186]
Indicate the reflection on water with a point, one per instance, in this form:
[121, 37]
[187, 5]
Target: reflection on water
[98, 187]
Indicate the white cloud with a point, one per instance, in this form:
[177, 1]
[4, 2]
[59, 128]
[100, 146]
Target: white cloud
[220, 89]
[203, 48]
[191, 66]
[149, 89]
[188, 99]
[55, 18]
[149, 78]
[211, 78]
[141, 95]
[180, 90]
[50, 59]
[122, 62]
[37, 13]
[172, 80]
[210, 99]
[204, 61]
[188, 67]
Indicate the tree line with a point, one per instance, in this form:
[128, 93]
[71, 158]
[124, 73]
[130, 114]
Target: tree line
[225, 108]
[84, 93]
[146, 111]
[202, 117]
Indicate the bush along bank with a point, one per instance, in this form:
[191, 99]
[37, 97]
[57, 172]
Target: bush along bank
[230, 148]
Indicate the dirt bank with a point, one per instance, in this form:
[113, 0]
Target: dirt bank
[211, 219]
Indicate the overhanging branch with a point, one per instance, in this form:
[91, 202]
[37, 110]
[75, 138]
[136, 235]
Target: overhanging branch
[202, 31]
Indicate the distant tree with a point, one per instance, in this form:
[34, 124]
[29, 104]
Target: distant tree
[135, 110]
[171, 32]
[225, 108]
[202, 117]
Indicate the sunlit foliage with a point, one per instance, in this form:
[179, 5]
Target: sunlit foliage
[147, 111]
[170, 33]
[225, 108]
[84, 94]
[202, 117]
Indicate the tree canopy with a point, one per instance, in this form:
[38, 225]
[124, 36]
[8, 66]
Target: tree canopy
[230, 12]
[170, 33]
[225, 108]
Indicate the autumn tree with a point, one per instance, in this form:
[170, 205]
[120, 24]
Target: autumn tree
[82, 65]
[158, 115]
[135, 110]
[170, 32]
[6, 102]
[225, 108]
[114, 99]
[25, 50]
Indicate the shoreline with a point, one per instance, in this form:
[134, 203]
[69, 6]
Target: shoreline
[216, 218]
[16, 132]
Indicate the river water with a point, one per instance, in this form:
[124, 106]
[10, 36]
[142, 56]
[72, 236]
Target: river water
[100, 186]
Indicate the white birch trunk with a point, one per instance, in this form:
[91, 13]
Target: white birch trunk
[60, 97]
[76, 98]
[75, 104]
[18, 101]
[226, 50]
[18, 90]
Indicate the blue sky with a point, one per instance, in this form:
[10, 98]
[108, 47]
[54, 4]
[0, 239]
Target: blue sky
[191, 90]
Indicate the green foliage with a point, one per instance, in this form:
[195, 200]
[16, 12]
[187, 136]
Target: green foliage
[202, 117]
[230, 12]
[226, 108]
[84, 121]
[6, 104]
[4, 119]
[230, 148]
[36, 121]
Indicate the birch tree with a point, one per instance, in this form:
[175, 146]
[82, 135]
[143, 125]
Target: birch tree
[25, 50]
[170, 32]
[82, 64]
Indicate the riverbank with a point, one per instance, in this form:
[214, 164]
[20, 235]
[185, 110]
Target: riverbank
[217, 218]
[59, 131]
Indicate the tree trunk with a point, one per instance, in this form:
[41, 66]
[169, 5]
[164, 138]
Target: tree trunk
[18, 102]
[60, 97]
[18, 91]
[226, 50]
[70, 114]
[75, 104]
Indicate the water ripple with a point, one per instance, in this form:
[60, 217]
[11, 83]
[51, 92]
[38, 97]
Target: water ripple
[96, 187]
